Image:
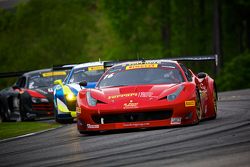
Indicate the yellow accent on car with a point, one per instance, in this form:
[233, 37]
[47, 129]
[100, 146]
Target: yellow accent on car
[70, 97]
[54, 73]
[62, 107]
[190, 103]
[68, 93]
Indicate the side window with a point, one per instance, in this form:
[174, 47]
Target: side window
[21, 82]
[187, 73]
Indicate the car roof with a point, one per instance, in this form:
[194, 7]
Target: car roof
[37, 71]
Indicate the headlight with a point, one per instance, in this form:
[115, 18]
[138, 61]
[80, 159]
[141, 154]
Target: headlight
[70, 97]
[39, 100]
[91, 101]
[174, 95]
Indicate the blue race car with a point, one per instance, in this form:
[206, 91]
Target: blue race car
[65, 92]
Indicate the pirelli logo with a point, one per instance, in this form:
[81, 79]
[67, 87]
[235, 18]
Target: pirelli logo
[95, 68]
[137, 66]
[190, 103]
[54, 73]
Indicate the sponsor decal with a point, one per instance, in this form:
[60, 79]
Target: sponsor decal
[95, 68]
[136, 124]
[189, 103]
[123, 95]
[130, 105]
[145, 94]
[176, 121]
[55, 73]
[138, 66]
[92, 126]
[140, 94]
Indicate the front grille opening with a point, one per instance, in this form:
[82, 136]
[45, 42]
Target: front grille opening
[132, 117]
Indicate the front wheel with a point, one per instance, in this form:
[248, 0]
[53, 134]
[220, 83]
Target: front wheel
[198, 106]
[64, 121]
[89, 133]
[215, 99]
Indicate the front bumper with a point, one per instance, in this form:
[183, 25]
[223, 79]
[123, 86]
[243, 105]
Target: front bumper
[106, 118]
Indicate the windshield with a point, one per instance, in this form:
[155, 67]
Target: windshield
[141, 75]
[45, 79]
[89, 74]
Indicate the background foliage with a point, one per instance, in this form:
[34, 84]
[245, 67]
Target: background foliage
[42, 33]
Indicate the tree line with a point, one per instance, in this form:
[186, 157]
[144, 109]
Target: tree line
[42, 33]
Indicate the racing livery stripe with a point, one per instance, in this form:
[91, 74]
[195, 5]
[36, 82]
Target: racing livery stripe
[62, 108]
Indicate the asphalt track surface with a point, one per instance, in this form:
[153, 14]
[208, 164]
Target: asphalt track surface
[224, 141]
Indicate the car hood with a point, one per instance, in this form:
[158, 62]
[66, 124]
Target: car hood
[75, 87]
[142, 92]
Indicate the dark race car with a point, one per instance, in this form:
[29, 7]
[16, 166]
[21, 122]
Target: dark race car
[31, 96]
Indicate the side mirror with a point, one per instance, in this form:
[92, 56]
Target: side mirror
[83, 83]
[58, 82]
[201, 75]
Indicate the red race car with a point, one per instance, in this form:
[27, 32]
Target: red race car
[142, 94]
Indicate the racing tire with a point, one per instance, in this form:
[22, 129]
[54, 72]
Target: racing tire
[22, 114]
[198, 107]
[64, 121]
[215, 99]
[89, 133]
[5, 115]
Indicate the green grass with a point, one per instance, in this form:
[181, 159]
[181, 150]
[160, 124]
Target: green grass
[13, 129]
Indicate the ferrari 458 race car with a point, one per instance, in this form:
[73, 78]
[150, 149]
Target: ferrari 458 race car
[142, 94]
[31, 96]
[65, 92]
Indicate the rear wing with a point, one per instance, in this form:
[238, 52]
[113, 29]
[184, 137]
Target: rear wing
[185, 58]
[12, 74]
[19, 73]
[63, 67]
[108, 64]
[196, 58]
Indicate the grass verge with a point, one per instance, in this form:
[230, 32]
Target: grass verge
[13, 129]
